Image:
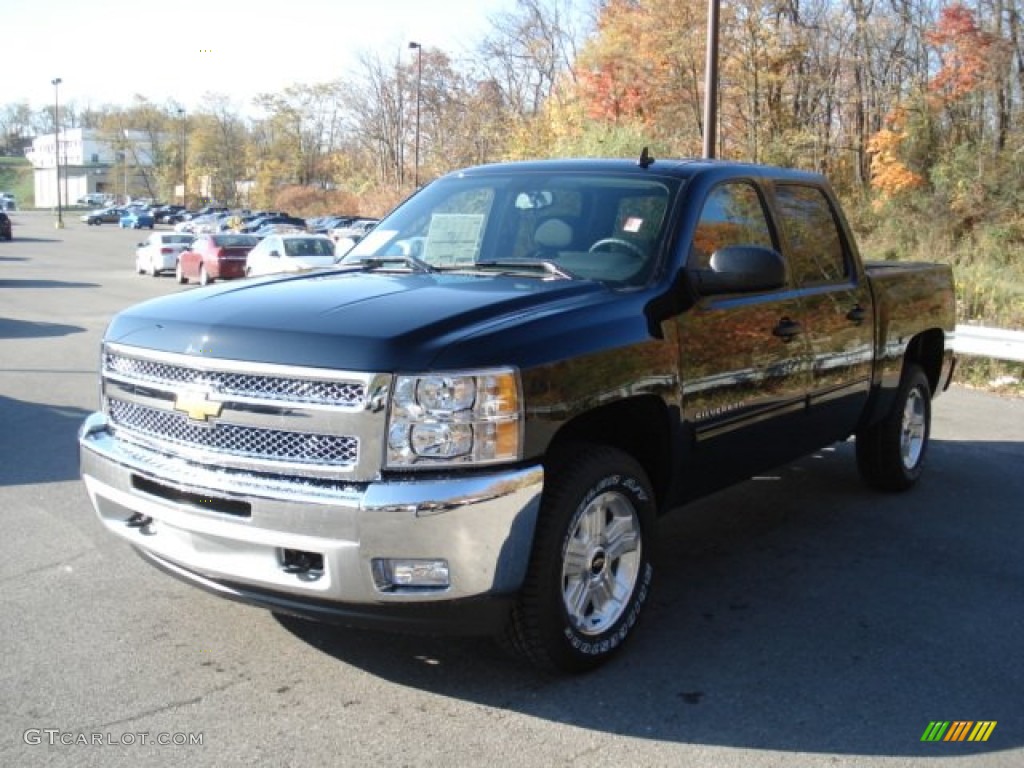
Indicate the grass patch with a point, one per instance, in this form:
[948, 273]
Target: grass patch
[999, 376]
[16, 177]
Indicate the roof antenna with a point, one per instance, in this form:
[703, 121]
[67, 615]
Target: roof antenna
[646, 160]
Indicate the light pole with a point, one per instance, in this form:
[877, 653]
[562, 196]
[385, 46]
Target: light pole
[184, 177]
[56, 145]
[419, 82]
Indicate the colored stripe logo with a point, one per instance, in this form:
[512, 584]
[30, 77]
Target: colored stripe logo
[959, 730]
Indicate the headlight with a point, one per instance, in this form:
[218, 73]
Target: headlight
[466, 417]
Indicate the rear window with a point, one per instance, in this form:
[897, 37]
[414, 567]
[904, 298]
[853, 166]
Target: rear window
[235, 241]
[308, 246]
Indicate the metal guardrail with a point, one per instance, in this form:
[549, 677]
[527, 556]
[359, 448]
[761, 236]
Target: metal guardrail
[996, 343]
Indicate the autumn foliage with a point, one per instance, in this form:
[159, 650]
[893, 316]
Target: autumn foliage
[964, 51]
[889, 175]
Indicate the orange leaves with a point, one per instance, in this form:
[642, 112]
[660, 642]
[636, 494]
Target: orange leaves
[643, 67]
[889, 176]
[611, 94]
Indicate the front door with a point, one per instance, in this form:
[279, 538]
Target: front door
[746, 363]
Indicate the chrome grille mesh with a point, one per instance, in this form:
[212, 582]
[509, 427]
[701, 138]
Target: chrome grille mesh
[248, 442]
[295, 390]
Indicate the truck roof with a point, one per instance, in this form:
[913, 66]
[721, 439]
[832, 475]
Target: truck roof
[678, 167]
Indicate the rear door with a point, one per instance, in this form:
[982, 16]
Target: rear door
[746, 364]
[838, 315]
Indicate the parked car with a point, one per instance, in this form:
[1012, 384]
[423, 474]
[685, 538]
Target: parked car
[163, 213]
[6, 232]
[354, 230]
[289, 253]
[178, 217]
[93, 199]
[214, 257]
[103, 216]
[278, 229]
[291, 221]
[197, 225]
[323, 225]
[159, 252]
[8, 202]
[137, 219]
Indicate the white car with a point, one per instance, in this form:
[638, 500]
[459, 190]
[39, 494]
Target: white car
[159, 252]
[289, 253]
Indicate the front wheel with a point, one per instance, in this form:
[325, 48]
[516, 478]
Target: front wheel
[204, 276]
[590, 571]
[179, 273]
[891, 453]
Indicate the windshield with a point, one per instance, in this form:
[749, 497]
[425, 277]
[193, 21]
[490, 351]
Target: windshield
[598, 226]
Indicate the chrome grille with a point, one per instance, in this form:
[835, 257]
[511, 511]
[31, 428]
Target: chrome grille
[246, 442]
[265, 387]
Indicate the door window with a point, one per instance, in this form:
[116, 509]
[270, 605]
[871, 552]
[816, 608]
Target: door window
[816, 253]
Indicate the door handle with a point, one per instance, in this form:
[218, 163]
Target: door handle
[787, 329]
[856, 315]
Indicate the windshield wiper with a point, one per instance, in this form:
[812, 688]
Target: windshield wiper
[527, 265]
[378, 262]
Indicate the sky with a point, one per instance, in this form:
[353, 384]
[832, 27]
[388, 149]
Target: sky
[107, 51]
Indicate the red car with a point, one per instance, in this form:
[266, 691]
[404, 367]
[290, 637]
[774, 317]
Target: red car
[214, 257]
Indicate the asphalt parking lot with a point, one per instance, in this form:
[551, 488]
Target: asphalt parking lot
[798, 620]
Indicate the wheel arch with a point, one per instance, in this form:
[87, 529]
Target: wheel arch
[638, 426]
[926, 350]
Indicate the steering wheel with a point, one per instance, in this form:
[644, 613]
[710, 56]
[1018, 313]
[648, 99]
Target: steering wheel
[627, 246]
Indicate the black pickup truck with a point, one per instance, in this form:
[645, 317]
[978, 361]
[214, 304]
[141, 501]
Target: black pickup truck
[472, 422]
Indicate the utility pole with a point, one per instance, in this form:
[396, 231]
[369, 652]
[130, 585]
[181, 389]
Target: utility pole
[711, 81]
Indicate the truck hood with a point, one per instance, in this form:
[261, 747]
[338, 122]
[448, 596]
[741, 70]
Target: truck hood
[365, 321]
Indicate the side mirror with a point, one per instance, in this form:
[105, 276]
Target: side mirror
[742, 269]
[274, 255]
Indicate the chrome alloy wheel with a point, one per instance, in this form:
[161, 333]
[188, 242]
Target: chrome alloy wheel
[601, 563]
[913, 429]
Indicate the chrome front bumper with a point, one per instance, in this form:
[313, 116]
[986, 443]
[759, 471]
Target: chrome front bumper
[226, 530]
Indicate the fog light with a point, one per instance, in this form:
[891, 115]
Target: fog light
[410, 574]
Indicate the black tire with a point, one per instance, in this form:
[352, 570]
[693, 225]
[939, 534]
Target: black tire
[891, 453]
[597, 505]
[204, 276]
[179, 273]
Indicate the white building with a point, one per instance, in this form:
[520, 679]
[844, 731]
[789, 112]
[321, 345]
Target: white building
[87, 165]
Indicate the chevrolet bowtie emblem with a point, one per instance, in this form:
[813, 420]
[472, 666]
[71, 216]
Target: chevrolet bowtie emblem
[197, 406]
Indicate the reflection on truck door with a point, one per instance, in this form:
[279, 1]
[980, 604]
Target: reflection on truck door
[746, 376]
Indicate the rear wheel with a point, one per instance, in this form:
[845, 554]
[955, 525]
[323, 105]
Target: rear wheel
[891, 453]
[590, 571]
[179, 273]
